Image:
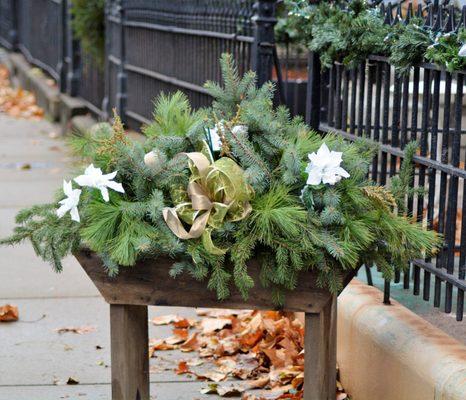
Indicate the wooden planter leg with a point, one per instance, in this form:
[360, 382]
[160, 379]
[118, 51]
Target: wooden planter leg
[129, 348]
[320, 353]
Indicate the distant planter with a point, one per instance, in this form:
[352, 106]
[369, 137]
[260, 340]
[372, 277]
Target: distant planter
[149, 284]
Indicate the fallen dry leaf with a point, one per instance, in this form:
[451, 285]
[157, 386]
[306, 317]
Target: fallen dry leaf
[80, 330]
[159, 345]
[212, 376]
[182, 368]
[184, 323]
[181, 333]
[8, 313]
[210, 325]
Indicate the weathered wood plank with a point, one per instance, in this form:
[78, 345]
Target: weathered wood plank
[129, 352]
[148, 283]
[320, 353]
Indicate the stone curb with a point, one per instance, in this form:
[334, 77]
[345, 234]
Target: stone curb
[390, 353]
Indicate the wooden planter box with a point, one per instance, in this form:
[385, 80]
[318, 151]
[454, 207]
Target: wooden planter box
[149, 284]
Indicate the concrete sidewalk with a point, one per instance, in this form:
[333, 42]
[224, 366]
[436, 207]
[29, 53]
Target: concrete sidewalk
[35, 360]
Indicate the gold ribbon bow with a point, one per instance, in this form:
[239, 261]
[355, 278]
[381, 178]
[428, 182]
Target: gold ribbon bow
[217, 193]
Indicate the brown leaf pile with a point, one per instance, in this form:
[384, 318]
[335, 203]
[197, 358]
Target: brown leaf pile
[18, 103]
[260, 350]
[8, 313]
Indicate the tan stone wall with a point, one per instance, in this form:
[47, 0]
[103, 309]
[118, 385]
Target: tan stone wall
[389, 353]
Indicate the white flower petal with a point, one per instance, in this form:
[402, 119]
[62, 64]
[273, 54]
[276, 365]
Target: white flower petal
[330, 179]
[335, 158]
[342, 172]
[62, 211]
[104, 192]
[84, 180]
[118, 187]
[75, 214]
[314, 178]
[110, 175]
[90, 170]
[462, 52]
[67, 188]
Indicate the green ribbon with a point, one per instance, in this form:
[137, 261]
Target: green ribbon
[217, 193]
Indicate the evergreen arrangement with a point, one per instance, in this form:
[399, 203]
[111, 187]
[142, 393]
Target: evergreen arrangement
[348, 31]
[215, 188]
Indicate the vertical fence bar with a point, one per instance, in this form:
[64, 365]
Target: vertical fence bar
[432, 172]
[441, 257]
[72, 55]
[122, 78]
[453, 192]
[331, 97]
[337, 98]
[462, 264]
[378, 96]
[313, 100]
[13, 34]
[385, 121]
[368, 120]
[354, 91]
[107, 83]
[62, 45]
[344, 103]
[362, 84]
[264, 40]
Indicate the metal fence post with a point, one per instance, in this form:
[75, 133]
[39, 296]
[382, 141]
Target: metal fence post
[62, 67]
[108, 38]
[264, 40]
[122, 93]
[313, 100]
[13, 34]
[73, 55]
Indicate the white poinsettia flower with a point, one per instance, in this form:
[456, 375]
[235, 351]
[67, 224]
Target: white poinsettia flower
[324, 166]
[93, 177]
[70, 203]
[462, 52]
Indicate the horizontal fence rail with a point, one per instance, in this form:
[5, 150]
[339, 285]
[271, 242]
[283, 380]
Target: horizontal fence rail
[373, 101]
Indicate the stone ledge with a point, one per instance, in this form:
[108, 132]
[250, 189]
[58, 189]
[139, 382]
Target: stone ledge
[48, 97]
[390, 353]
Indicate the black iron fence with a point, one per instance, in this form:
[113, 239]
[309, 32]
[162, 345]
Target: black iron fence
[426, 105]
[40, 33]
[173, 45]
[151, 46]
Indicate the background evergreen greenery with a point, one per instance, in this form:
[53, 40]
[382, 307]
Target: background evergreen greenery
[89, 27]
[350, 30]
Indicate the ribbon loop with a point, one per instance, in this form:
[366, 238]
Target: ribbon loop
[217, 192]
